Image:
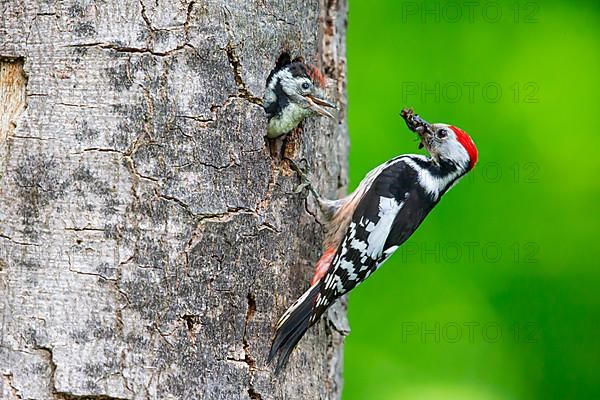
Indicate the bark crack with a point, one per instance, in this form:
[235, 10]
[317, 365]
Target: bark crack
[237, 74]
[92, 274]
[129, 49]
[329, 35]
[101, 150]
[225, 216]
[70, 396]
[236, 64]
[13, 92]
[186, 24]
[47, 352]
[312, 214]
[139, 139]
[13, 390]
[31, 138]
[145, 17]
[248, 359]
[133, 169]
[177, 201]
[197, 118]
[73, 228]
[278, 19]
[205, 122]
[275, 172]
[2, 236]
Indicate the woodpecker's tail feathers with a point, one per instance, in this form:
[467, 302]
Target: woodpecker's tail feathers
[292, 326]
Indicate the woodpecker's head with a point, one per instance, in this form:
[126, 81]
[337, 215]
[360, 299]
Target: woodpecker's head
[294, 91]
[443, 142]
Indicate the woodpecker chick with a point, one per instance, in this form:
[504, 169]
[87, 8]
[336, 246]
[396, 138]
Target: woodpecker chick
[294, 91]
[366, 227]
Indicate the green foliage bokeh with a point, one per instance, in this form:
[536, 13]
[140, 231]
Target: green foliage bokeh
[496, 296]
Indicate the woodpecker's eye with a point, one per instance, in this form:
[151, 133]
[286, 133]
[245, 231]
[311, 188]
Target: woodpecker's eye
[441, 134]
[305, 85]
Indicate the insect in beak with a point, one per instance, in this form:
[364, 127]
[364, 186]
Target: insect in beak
[418, 125]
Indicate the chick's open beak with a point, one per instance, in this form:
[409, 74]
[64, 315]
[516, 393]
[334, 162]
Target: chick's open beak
[418, 125]
[317, 103]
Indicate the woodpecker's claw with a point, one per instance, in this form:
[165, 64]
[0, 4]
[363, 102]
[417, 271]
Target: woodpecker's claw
[300, 188]
[306, 183]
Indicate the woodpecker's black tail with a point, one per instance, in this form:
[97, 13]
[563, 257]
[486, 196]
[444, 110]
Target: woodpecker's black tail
[292, 326]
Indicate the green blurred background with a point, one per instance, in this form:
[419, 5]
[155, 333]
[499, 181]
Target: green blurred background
[496, 296]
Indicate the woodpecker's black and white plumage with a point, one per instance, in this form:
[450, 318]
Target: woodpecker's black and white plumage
[367, 226]
[294, 91]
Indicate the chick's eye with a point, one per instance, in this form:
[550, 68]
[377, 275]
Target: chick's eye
[305, 85]
[441, 134]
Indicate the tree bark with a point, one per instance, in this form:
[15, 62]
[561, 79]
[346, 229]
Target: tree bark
[148, 239]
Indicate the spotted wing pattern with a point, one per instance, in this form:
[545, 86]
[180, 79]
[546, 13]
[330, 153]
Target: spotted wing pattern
[389, 212]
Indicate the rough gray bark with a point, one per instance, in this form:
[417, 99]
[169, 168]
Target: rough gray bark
[148, 239]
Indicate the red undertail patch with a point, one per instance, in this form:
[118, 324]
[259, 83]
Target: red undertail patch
[323, 265]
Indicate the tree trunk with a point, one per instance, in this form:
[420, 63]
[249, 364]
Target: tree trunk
[148, 238]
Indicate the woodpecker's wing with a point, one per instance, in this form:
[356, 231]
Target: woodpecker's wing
[391, 208]
[388, 213]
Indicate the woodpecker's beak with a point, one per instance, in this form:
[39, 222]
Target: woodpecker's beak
[316, 103]
[417, 125]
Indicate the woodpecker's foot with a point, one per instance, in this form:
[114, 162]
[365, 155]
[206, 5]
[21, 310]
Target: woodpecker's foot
[323, 265]
[306, 183]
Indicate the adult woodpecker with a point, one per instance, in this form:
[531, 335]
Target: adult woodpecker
[366, 227]
[294, 91]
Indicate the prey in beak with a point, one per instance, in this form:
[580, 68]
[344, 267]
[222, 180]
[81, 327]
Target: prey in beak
[317, 103]
[418, 125]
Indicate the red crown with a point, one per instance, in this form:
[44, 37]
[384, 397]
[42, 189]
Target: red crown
[468, 144]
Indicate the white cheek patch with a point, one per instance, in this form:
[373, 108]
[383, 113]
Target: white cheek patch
[453, 150]
[432, 184]
[281, 76]
[289, 83]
